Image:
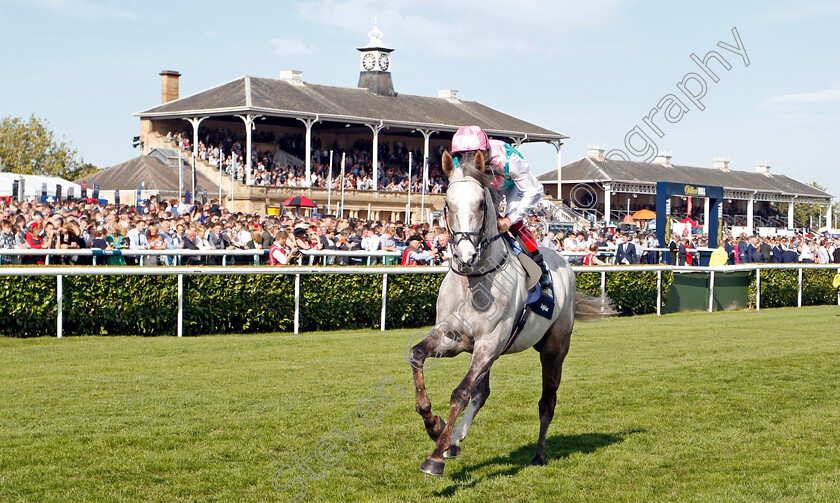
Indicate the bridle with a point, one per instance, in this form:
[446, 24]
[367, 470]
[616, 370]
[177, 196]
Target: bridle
[477, 239]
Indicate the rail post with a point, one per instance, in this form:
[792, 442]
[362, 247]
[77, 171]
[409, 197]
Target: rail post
[384, 301]
[799, 293]
[603, 284]
[59, 300]
[180, 305]
[297, 303]
[711, 290]
[659, 292]
[758, 289]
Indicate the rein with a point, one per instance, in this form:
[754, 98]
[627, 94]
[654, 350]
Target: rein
[477, 239]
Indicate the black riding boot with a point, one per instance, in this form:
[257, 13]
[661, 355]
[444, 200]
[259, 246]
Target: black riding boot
[545, 278]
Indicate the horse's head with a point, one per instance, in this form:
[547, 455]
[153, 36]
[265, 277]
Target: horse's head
[469, 212]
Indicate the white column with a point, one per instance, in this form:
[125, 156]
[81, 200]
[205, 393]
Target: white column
[750, 204]
[249, 125]
[425, 172]
[828, 216]
[408, 206]
[308, 122]
[375, 128]
[194, 122]
[706, 217]
[790, 215]
[558, 145]
[607, 201]
[180, 176]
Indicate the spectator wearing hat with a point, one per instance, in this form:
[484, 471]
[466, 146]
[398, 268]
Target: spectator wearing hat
[412, 254]
[301, 240]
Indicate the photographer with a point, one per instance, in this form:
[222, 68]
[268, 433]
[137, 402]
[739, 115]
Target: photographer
[443, 253]
[301, 240]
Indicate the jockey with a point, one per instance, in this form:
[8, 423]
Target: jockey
[513, 180]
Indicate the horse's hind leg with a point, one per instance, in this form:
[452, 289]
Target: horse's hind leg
[479, 394]
[431, 345]
[553, 349]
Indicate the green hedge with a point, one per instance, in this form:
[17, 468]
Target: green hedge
[147, 305]
[631, 292]
[779, 287]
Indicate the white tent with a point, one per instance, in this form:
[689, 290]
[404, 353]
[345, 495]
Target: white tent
[33, 186]
[6, 184]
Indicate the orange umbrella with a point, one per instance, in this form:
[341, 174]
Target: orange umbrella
[644, 215]
[627, 219]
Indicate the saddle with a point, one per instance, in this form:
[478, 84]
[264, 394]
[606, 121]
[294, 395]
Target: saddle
[531, 269]
[542, 305]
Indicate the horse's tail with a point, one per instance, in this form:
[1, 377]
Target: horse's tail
[588, 307]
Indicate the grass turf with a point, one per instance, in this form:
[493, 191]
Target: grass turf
[736, 406]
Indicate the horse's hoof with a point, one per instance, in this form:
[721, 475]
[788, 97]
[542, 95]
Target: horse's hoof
[436, 428]
[538, 461]
[453, 452]
[432, 467]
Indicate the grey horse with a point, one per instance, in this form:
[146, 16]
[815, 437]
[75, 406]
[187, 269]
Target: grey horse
[481, 301]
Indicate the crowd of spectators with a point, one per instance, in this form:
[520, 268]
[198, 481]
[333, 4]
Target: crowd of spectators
[221, 148]
[595, 247]
[170, 225]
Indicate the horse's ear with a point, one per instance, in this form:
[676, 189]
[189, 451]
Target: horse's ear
[479, 161]
[448, 165]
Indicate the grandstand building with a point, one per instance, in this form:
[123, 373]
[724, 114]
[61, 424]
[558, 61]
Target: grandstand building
[374, 112]
[605, 191]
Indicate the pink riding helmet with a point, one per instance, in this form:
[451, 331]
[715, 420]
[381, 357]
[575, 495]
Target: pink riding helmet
[469, 138]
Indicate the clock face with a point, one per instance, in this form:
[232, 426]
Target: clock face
[383, 62]
[368, 61]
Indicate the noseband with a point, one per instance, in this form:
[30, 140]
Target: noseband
[477, 239]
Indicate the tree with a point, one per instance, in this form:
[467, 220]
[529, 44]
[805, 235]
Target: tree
[805, 212]
[30, 147]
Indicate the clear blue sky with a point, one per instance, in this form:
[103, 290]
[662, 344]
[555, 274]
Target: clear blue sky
[591, 70]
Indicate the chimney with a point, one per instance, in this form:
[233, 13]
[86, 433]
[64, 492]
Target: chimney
[293, 77]
[168, 86]
[663, 158]
[450, 95]
[762, 167]
[722, 164]
[595, 152]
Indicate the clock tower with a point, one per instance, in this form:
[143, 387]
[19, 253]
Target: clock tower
[375, 65]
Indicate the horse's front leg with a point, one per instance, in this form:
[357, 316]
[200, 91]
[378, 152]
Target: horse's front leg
[483, 357]
[478, 395]
[437, 345]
